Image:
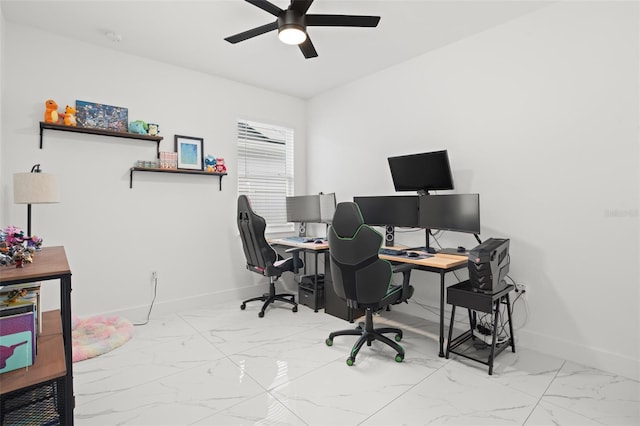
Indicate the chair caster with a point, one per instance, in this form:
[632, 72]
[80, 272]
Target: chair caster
[350, 361]
[398, 337]
[243, 306]
[399, 357]
[329, 342]
[294, 309]
[261, 314]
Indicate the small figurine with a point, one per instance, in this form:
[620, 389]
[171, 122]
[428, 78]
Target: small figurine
[51, 112]
[138, 126]
[220, 167]
[69, 116]
[210, 163]
[154, 129]
[14, 295]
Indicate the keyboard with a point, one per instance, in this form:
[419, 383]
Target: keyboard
[296, 239]
[392, 252]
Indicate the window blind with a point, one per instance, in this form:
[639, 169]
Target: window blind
[265, 170]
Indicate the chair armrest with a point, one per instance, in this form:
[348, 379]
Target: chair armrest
[295, 251]
[405, 268]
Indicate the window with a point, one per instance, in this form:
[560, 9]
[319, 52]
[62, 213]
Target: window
[265, 170]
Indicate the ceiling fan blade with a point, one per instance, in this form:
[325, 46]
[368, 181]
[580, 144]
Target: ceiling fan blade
[342, 21]
[266, 6]
[307, 48]
[252, 32]
[300, 5]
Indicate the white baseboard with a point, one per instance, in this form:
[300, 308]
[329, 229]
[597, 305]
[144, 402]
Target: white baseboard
[610, 362]
[138, 314]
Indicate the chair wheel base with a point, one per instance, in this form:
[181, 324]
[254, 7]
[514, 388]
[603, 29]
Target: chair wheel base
[261, 314]
[350, 361]
[243, 306]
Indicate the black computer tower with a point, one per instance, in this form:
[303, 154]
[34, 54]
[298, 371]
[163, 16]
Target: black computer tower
[306, 292]
[488, 265]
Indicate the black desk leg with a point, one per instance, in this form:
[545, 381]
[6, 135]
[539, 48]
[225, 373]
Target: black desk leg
[513, 343]
[441, 353]
[492, 353]
[65, 307]
[315, 284]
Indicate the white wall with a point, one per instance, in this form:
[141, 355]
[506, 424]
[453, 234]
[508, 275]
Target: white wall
[179, 225]
[3, 201]
[540, 116]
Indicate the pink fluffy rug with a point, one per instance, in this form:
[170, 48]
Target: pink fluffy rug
[96, 335]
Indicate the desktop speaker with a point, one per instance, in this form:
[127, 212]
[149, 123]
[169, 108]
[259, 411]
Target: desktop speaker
[302, 229]
[389, 237]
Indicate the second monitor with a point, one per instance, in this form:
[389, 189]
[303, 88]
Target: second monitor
[305, 209]
[389, 211]
[451, 212]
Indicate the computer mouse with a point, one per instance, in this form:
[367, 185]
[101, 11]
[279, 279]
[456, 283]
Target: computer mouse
[461, 249]
[412, 254]
[319, 241]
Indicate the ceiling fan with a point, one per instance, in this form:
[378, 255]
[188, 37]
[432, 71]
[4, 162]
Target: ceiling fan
[292, 24]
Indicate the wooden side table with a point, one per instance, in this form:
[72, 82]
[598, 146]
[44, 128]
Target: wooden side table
[463, 295]
[24, 391]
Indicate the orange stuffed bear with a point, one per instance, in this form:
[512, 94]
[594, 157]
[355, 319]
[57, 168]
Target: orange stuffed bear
[51, 111]
[70, 116]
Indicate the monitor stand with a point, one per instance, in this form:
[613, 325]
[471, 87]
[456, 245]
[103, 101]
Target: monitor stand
[427, 247]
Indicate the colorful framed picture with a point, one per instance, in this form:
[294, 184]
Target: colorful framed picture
[189, 151]
[100, 116]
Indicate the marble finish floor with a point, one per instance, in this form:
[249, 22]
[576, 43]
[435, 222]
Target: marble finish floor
[224, 366]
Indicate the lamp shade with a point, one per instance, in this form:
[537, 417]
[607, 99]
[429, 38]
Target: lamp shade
[35, 188]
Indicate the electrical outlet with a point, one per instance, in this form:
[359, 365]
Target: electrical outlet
[522, 288]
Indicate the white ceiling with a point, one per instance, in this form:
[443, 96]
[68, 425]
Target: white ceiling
[191, 34]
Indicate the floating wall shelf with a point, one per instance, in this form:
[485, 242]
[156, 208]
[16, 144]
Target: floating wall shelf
[179, 171]
[92, 131]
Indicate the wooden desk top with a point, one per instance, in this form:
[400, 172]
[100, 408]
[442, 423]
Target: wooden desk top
[306, 246]
[48, 262]
[438, 260]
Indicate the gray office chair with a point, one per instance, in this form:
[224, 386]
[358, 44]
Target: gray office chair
[262, 258]
[362, 279]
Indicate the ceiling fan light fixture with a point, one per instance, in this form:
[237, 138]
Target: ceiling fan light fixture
[292, 34]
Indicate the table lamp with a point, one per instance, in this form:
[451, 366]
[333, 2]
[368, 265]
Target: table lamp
[34, 188]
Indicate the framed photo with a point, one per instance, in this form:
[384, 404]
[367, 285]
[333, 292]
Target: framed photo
[189, 151]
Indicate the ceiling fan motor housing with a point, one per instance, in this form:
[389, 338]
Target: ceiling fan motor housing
[291, 19]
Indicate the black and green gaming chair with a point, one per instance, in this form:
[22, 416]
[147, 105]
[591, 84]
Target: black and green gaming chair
[362, 279]
[262, 258]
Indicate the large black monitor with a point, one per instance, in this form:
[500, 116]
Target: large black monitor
[303, 209]
[392, 210]
[429, 171]
[451, 212]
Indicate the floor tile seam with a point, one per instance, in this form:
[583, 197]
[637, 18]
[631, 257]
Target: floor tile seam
[401, 395]
[181, 370]
[286, 406]
[537, 404]
[562, 407]
[229, 407]
[495, 379]
[269, 389]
